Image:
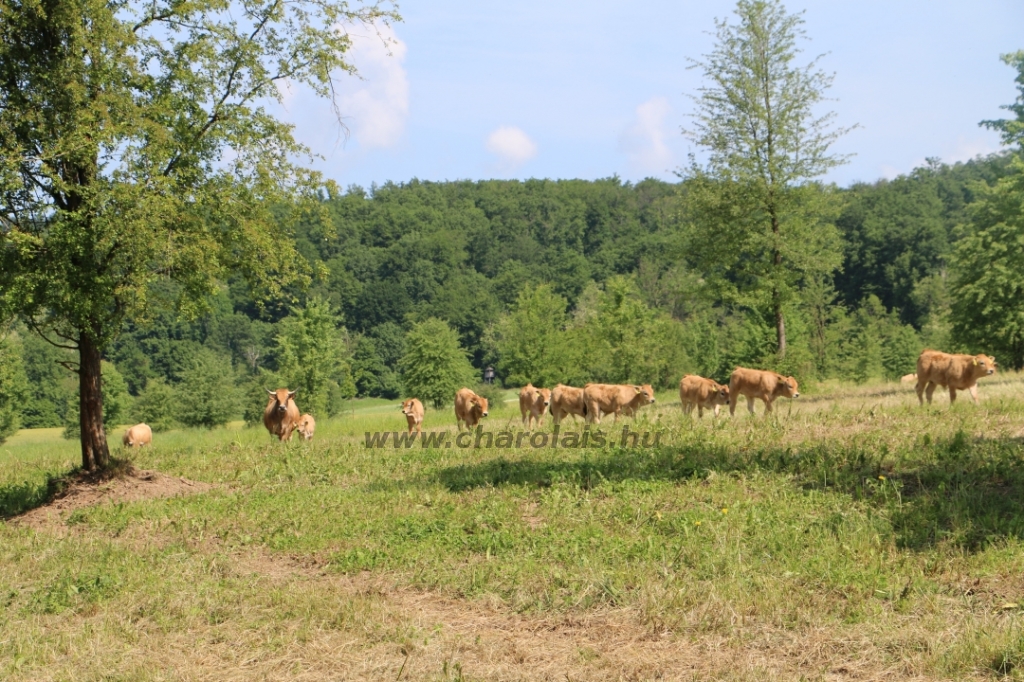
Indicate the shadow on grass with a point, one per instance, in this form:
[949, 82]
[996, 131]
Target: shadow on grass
[19, 498]
[960, 491]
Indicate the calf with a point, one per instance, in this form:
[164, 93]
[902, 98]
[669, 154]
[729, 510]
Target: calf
[756, 383]
[469, 408]
[615, 399]
[955, 372]
[566, 400]
[533, 403]
[695, 391]
[413, 411]
[306, 426]
[137, 436]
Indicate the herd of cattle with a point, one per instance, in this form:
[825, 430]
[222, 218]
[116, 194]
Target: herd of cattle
[951, 371]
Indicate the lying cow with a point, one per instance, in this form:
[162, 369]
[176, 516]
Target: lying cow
[615, 399]
[137, 436]
[756, 383]
[469, 408]
[955, 372]
[908, 379]
[695, 391]
[566, 400]
[533, 403]
[281, 415]
[413, 411]
[306, 426]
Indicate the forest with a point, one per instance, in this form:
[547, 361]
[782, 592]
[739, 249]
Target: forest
[547, 281]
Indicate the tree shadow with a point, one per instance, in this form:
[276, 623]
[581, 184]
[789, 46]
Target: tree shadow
[959, 491]
[19, 498]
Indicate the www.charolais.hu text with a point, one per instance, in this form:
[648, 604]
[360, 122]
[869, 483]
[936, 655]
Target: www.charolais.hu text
[509, 439]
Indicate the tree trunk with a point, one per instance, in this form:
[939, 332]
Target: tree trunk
[95, 453]
[780, 325]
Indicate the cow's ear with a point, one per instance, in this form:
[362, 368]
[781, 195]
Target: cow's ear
[638, 388]
[975, 361]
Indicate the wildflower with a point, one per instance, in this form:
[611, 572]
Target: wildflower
[696, 523]
[881, 478]
[657, 515]
[725, 510]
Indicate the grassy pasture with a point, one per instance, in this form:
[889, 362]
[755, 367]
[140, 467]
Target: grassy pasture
[854, 535]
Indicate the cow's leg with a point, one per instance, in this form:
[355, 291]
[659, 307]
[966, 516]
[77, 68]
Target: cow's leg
[974, 393]
[920, 391]
[716, 409]
[750, 404]
[700, 411]
[928, 392]
[767, 404]
[733, 399]
[952, 395]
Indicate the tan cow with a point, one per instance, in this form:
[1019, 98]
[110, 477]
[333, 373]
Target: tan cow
[137, 436]
[413, 411]
[695, 391]
[306, 426]
[469, 408]
[955, 372]
[615, 399]
[908, 379]
[281, 415]
[566, 400]
[533, 403]
[756, 383]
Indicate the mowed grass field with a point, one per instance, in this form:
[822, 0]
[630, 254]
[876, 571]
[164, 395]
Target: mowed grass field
[851, 536]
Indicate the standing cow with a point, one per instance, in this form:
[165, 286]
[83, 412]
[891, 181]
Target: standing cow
[281, 415]
[566, 400]
[533, 403]
[615, 399]
[413, 411]
[955, 372]
[306, 427]
[469, 408]
[137, 436]
[756, 383]
[695, 391]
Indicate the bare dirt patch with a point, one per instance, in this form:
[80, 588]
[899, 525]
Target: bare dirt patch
[126, 484]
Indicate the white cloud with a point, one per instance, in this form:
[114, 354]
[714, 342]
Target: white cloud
[376, 108]
[512, 146]
[966, 149]
[645, 141]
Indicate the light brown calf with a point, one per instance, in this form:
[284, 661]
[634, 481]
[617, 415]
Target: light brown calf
[615, 399]
[566, 400]
[695, 391]
[469, 408]
[756, 383]
[413, 411]
[137, 436]
[306, 427]
[533, 403]
[952, 371]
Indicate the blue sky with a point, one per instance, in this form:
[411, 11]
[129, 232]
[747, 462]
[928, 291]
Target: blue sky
[571, 89]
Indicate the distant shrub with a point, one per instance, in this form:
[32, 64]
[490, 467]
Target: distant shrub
[207, 396]
[157, 405]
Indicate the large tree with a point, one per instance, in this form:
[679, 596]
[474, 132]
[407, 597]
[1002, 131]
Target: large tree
[988, 263]
[136, 144]
[760, 223]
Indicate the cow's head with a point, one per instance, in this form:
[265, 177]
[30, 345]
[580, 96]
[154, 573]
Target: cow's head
[479, 404]
[787, 387]
[281, 397]
[983, 366]
[407, 407]
[722, 395]
[645, 394]
[544, 395]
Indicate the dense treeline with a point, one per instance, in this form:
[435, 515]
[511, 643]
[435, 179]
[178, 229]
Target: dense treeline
[546, 280]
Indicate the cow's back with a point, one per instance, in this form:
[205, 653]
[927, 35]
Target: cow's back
[744, 381]
[696, 389]
[138, 435]
[566, 400]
